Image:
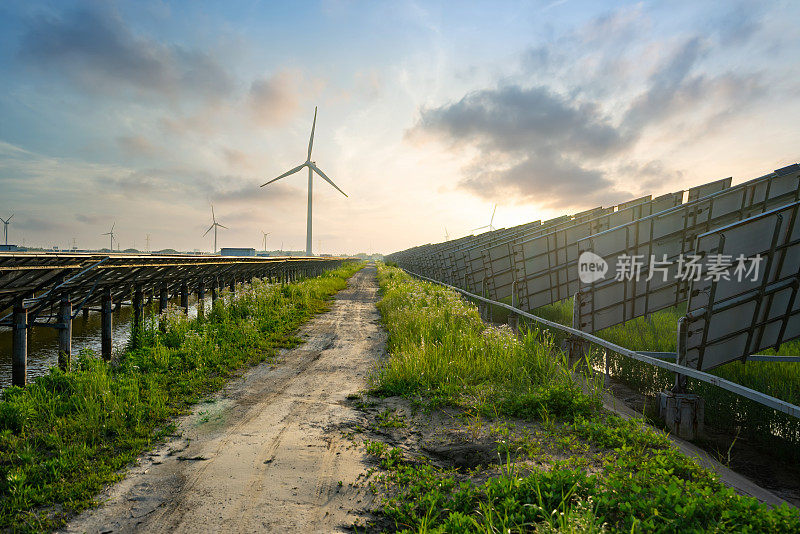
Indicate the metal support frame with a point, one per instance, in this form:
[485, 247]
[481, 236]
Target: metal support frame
[106, 323]
[138, 313]
[163, 298]
[65, 334]
[185, 297]
[19, 343]
[737, 389]
[201, 297]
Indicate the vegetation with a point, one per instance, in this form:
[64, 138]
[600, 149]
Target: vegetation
[726, 412]
[610, 476]
[65, 436]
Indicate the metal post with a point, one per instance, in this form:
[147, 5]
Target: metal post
[138, 308]
[680, 380]
[214, 285]
[19, 346]
[575, 344]
[85, 313]
[233, 287]
[185, 297]
[201, 297]
[163, 298]
[65, 334]
[106, 324]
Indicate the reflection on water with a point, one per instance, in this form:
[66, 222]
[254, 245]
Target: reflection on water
[43, 341]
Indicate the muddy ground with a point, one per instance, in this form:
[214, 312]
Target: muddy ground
[266, 453]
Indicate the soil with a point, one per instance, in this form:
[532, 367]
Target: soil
[267, 453]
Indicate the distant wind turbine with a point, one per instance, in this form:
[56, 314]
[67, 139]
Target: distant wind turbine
[489, 226]
[5, 226]
[111, 233]
[446, 234]
[214, 226]
[265, 239]
[312, 168]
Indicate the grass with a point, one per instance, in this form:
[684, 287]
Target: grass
[442, 350]
[773, 431]
[66, 435]
[620, 477]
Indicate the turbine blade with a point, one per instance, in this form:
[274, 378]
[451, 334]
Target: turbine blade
[311, 140]
[213, 217]
[493, 211]
[222, 226]
[12, 215]
[324, 177]
[113, 225]
[287, 173]
[209, 229]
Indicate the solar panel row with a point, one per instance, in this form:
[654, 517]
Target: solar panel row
[541, 260]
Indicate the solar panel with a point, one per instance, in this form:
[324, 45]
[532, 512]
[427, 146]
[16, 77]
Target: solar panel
[665, 236]
[41, 279]
[748, 301]
[546, 266]
[704, 190]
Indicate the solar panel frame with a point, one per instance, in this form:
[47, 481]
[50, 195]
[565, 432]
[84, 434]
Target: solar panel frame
[672, 233]
[546, 266]
[730, 319]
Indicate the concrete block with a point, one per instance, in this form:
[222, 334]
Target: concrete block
[683, 413]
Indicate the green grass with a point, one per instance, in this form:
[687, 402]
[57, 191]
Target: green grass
[736, 416]
[441, 349]
[627, 478]
[65, 436]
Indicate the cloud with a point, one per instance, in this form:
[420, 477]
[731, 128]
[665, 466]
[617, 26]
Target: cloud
[532, 143]
[35, 224]
[547, 180]
[94, 48]
[275, 99]
[566, 131]
[136, 145]
[90, 219]
[512, 118]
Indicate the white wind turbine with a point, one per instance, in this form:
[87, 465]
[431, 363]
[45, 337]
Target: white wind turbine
[265, 239]
[446, 234]
[5, 226]
[312, 168]
[111, 233]
[489, 226]
[214, 226]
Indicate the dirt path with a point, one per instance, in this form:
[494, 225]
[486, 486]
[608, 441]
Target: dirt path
[267, 454]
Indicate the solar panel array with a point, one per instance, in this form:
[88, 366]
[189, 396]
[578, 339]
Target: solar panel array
[538, 263]
[41, 280]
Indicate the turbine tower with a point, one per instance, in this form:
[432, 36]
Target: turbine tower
[312, 168]
[5, 226]
[111, 233]
[265, 239]
[214, 225]
[489, 226]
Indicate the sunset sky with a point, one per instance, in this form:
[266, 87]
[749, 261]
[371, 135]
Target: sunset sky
[146, 112]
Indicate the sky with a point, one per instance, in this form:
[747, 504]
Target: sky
[144, 113]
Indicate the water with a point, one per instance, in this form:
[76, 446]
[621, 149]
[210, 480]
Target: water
[43, 341]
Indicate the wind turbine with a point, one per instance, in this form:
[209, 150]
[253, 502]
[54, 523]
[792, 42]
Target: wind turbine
[489, 226]
[214, 225]
[446, 234]
[312, 168]
[111, 233]
[265, 239]
[5, 226]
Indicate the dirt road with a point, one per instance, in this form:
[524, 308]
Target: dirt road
[267, 454]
